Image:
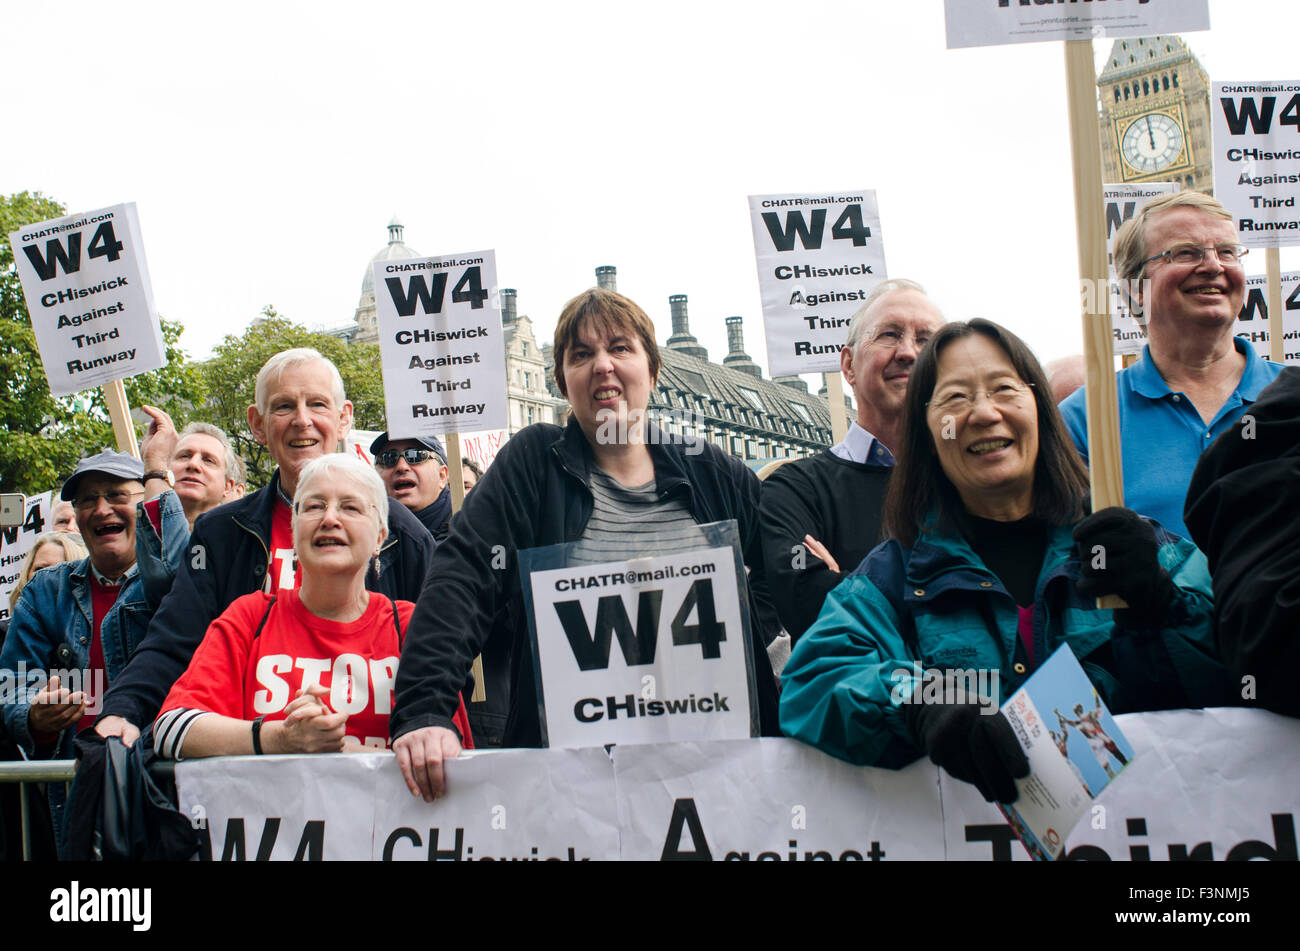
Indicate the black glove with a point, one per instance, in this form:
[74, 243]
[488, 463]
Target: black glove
[1131, 565]
[973, 745]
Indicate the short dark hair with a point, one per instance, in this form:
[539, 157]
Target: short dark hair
[608, 312]
[921, 495]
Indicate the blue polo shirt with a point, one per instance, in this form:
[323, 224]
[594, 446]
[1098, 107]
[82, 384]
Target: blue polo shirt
[1161, 433]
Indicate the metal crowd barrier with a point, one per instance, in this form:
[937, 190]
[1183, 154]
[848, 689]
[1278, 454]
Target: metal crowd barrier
[52, 771]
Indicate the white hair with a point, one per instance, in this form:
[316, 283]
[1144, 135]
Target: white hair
[345, 464]
[207, 429]
[273, 367]
[859, 323]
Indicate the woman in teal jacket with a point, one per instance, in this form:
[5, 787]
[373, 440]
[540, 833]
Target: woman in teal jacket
[981, 580]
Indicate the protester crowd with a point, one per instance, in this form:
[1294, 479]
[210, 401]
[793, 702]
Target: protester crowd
[341, 607]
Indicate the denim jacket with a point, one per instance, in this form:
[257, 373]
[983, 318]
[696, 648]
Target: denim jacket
[159, 555]
[938, 605]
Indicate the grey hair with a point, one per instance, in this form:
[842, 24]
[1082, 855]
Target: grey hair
[207, 429]
[348, 465]
[273, 367]
[859, 322]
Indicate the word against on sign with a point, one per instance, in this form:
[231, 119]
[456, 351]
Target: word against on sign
[1122, 203]
[818, 258]
[1257, 159]
[88, 293]
[681, 668]
[441, 344]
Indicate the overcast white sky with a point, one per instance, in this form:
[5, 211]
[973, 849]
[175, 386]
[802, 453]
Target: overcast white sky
[268, 144]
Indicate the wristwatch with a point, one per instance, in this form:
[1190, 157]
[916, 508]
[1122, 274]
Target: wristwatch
[164, 474]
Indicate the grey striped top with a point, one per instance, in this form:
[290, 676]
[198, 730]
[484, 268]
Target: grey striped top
[630, 521]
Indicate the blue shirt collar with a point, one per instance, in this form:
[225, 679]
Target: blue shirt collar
[1148, 382]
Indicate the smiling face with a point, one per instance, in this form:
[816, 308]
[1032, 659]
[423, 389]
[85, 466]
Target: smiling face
[878, 368]
[988, 446]
[301, 420]
[105, 507]
[1181, 297]
[336, 527]
[199, 468]
[417, 487]
[607, 372]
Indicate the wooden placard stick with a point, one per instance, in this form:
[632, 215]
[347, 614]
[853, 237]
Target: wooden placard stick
[1273, 264]
[455, 475]
[120, 413]
[1105, 462]
[839, 415]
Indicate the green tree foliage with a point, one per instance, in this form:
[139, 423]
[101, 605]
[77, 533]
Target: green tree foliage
[46, 435]
[231, 377]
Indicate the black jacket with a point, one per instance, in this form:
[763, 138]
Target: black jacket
[1241, 511]
[537, 492]
[227, 559]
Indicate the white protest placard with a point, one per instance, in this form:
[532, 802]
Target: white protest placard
[1257, 159]
[441, 344]
[771, 800]
[1122, 203]
[88, 293]
[16, 541]
[492, 810]
[641, 651]
[818, 257]
[1252, 322]
[283, 808]
[1206, 784]
[994, 22]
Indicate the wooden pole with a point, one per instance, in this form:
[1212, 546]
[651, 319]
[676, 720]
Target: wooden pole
[120, 413]
[1105, 462]
[1273, 263]
[456, 477]
[839, 415]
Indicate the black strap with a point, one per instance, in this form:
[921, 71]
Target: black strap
[396, 623]
[258, 632]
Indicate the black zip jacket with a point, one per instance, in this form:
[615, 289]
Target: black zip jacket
[226, 559]
[537, 492]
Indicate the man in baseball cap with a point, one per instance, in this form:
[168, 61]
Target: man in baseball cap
[415, 473]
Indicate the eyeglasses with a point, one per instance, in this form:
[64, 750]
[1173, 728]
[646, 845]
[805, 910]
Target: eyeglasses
[1189, 255]
[1004, 396]
[315, 508]
[891, 339]
[388, 458]
[115, 498]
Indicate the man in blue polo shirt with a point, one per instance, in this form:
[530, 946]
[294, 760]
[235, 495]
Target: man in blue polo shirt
[1182, 256]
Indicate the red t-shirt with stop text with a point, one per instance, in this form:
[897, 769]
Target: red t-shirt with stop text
[238, 675]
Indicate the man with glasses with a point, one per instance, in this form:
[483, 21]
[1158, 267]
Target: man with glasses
[78, 623]
[415, 473]
[820, 516]
[1179, 260]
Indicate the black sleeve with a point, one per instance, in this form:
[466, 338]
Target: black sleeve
[175, 632]
[472, 576]
[797, 580]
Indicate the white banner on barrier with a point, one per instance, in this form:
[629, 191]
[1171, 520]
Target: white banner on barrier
[994, 22]
[771, 800]
[16, 541]
[493, 810]
[1257, 159]
[88, 294]
[818, 258]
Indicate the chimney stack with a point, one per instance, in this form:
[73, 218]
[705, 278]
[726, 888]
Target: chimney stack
[508, 312]
[607, 277]
[737, 358]
[681, 339]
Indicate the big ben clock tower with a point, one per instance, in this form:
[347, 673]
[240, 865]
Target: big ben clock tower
[1155, 114]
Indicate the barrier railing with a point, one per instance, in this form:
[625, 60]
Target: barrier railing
[44, 771]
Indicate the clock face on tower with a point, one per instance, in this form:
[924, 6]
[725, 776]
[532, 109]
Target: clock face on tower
[1152, 142]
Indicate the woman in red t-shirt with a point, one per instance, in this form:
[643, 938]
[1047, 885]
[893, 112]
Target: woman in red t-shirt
[309, 670]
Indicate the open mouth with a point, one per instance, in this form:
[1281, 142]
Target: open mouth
[608, 393]
[329, 542]
[303, 443]
[985, 446]
[401, 485]
[107, 531]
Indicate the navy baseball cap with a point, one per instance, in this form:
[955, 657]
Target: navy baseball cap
[430, 443]
[117, 464]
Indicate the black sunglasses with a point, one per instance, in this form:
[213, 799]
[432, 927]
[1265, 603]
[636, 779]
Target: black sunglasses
[388, 458]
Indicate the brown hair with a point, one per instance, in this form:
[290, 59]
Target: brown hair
[72, 551]
[1130, 240]
[607, 312]
[921, 495]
